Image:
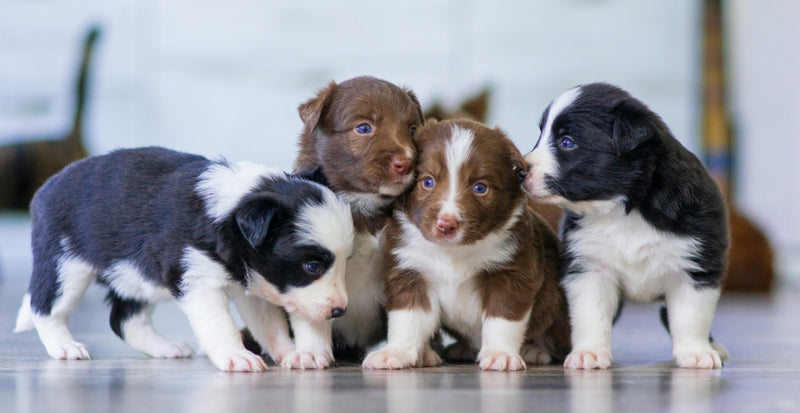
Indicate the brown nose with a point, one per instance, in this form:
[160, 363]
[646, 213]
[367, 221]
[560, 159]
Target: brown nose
[447, 224]
[401, 165]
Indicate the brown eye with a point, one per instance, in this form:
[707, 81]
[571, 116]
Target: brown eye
[413, 130]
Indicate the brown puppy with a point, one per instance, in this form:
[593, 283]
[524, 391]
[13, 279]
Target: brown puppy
[465, 252]
[359, 134]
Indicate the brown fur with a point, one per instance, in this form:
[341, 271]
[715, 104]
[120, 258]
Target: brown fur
[24, 167]
[355, 163]
[474, 107]
[530, 280]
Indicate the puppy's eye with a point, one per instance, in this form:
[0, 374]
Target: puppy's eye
[412, 130]
[312, 267]
[566, 143]
[364, 128]
[480, 188]
[428, 183]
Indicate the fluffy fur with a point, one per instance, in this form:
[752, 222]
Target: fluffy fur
[151, 224]
[644, 221]
[359, 137]
[466, 253]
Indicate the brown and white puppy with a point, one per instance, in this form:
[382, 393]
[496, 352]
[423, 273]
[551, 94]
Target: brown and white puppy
[464, 251]
[360, 135]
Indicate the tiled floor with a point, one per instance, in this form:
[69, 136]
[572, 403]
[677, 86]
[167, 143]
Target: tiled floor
[762, 334]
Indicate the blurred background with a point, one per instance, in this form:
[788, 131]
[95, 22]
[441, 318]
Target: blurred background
[224, 78]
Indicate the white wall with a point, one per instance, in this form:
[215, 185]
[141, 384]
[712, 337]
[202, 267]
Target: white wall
[218, 77]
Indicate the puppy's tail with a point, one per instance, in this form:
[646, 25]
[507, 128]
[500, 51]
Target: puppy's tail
[25, 315]
[723, 353]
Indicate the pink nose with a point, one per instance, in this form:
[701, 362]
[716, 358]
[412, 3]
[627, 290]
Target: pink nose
[447, 224]
[401, 165]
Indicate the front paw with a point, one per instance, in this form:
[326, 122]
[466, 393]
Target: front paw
[500, 361]
[697, 358]
[70, 350]
[588, 360]
[238, 361]
[306, 360]
[390, 359]
[533, 354]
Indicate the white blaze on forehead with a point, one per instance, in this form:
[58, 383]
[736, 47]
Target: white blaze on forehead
[328, 224]
[223, 186]
[542, 160]
[457, 152]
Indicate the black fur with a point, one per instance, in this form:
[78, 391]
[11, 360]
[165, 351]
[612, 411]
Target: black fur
[625, 149]
[141, 205]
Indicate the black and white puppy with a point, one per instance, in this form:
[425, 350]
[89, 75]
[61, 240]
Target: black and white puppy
[152, 223]
[644, 221]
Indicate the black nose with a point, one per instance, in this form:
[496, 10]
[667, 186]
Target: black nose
[337, 312]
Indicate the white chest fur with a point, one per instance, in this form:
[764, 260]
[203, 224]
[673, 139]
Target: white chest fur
[646, 262]
[451, 272]
[364, 279]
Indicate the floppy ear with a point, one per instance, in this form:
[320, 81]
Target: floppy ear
[633, 125]
[314, 175]
[416, 103]
[312, 110]
[254, 217]
[518, 165]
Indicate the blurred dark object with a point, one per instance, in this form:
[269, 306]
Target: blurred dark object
[474, 107]
[750, 267]
[25, 166]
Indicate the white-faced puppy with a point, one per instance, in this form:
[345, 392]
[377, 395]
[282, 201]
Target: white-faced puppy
[644, 221]
[152, 223]
[359, 135]
[464, 252]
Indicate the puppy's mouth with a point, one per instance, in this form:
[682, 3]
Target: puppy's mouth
[396, 187]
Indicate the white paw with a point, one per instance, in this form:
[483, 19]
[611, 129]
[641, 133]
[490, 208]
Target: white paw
[169, 350]
[306, 360]
[588, 360]
[239, 360]
[71, 350]
[697, 358]
[533, 354]
[500, 361]
[389, 359]
[429, 358]
[280, 350]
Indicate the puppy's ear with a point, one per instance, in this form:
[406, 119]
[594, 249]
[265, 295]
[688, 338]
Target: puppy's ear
[314, 175]
[418, 107]
[312, 110]
[253, 219]
[633, 125]
[518, 165]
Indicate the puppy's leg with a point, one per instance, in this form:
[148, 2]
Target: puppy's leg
[313, 344]
[131, 321]
[408, 341]
[593, 298]
[267, 324]
[500, 343]
[691, 310]
[208, 312]
[73, 278]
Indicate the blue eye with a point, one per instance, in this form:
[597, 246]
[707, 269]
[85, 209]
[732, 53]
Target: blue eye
[566, 143]
[312, 267]
[364, 128]
[428, 182]
[479, 189]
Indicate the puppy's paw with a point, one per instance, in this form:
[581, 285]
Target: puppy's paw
[588, 360]
[279, 351]
[460, 351]
[169, 350]
[429, 358]
[500, 361]
[71, 350]
[306, 360]
[238, 361]
[697, 358]
[390, 359]
[533, 354]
